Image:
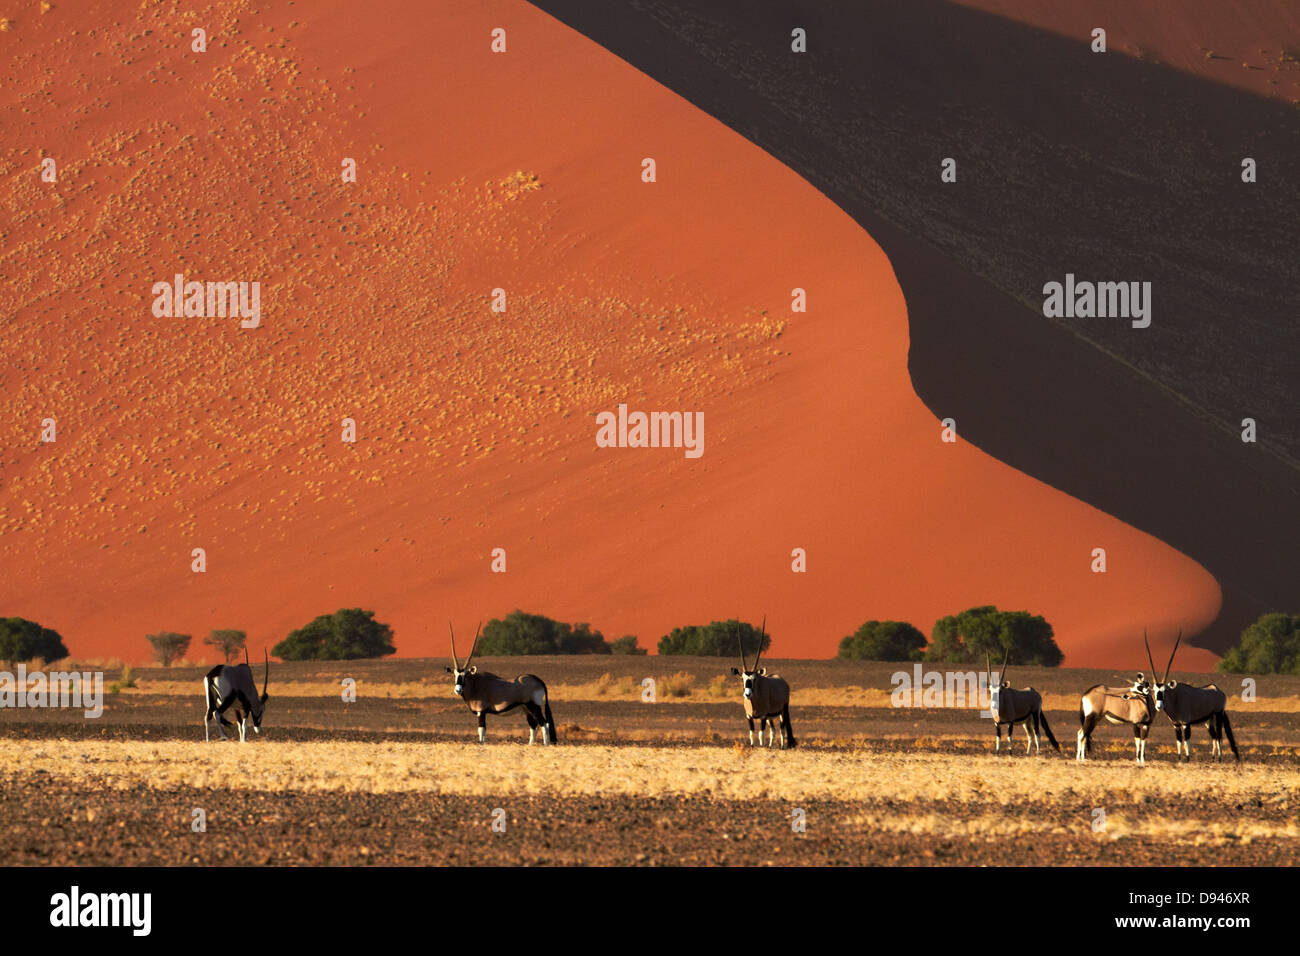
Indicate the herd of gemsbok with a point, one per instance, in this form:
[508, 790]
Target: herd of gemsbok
[766, 699]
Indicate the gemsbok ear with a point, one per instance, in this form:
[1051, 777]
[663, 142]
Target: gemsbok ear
[736, 671]
[473, 668]
[1173, 684]
[447, 669]
[762, 672]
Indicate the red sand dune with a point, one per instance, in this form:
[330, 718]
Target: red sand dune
[476, 430]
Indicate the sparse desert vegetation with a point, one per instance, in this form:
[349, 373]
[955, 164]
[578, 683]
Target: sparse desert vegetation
[389, 777]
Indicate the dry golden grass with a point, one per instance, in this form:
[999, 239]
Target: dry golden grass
[1161, 824]
[680, 687]
[593, 769]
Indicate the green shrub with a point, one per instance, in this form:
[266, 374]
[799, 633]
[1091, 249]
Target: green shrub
[626, 645]
[346, 635]
[717, 639]
[523, 633]
[24, 640]
[884, 641]
[1269, 646]
[966, 637]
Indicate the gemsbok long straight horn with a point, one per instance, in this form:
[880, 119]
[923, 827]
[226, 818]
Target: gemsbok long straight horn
[1187, 704]
[488, 694]
[1117, 705]
[767, 696]
[226, 687]
[1010, 707]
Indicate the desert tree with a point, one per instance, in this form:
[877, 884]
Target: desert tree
[24, 640]
[228, 641]
[626, 645]
[168, 646]
[884, 641]
[716, 639]
[347, 634]
[1271, 645]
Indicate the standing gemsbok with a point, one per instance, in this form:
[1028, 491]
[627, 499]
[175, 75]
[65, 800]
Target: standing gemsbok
[488, 694]
[1118, 705]
[1010, 706]
[225, 687]
[1187, 704]
[767, 697]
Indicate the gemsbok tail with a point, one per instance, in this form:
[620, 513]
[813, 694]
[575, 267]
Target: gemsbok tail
[550, 721]
[1042, 718]
[785, 726]
[1232, 741]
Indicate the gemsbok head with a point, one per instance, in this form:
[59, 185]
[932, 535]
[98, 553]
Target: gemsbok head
[486, 693]
[1187, 704]
[1009, 706]
[226, 687]
[767, 696]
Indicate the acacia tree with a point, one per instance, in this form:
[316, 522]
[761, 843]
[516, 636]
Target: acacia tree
[228, 641]
[168, 646]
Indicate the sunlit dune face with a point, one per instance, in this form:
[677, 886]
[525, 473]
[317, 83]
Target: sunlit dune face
[474, 429]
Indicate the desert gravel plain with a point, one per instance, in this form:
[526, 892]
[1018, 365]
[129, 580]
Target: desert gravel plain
[395, 778]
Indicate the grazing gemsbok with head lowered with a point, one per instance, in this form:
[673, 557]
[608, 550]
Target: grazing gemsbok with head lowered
[225, 687]
[1010, 706]
[1118, 705]
[488, 694]
[767, 697]
[1187, 704]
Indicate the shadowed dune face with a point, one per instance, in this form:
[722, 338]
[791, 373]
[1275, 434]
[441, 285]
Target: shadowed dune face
[1115, 167]
[475, 430]
[1251, 45]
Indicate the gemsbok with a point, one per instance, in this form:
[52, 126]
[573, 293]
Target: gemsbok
[1118, 705]
[1187, 704]
[767, 697]
[1010, 706]
[488, 694]
[225, 687]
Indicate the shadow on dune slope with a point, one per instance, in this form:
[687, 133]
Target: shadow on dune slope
[1105, 166]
